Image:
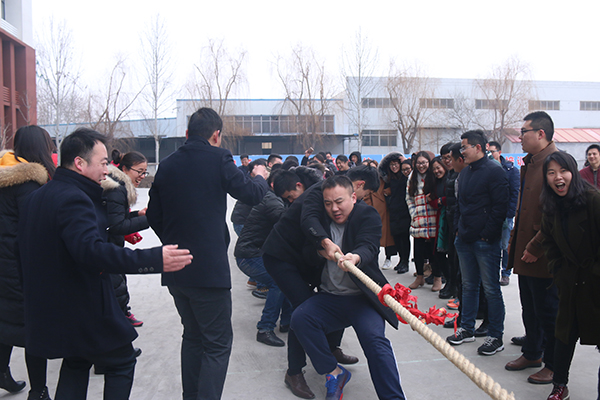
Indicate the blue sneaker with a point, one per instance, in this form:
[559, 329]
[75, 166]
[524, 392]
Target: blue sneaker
[335, 385]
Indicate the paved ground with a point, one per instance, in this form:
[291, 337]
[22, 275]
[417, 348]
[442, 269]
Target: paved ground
[256, 371]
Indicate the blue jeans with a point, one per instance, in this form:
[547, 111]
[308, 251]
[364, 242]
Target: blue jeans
[276, 301]
[506, 229]
[480, 264]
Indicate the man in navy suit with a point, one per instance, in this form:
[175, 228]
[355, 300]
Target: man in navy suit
[67, 261]
[188, 203]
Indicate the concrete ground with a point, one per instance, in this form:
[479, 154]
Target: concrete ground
[256, 371]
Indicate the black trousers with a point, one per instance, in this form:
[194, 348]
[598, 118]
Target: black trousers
[402, 243]
[118, 379]
[297, 290]
[207, 339]
[539, 305]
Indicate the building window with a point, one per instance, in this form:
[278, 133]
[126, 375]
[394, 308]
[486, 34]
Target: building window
[437, 103]
[549, 105]
[260, 124]
[379, 138]
[589, 105]
[485, 104]
[378, 102]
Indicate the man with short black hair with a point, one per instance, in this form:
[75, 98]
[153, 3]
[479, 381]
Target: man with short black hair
[274, 159]
[343, 300]
[188, 205]
[66, 261]
[480, 212]
[244, 160]
[538, 293]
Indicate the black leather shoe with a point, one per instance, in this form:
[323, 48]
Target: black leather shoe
[518, 340]
[429, 280]
[298, 386]
[447, 293]
[269, 338]
[9, 384]
[137, 352]
[284, 328]
[43, 395]
[402, 267]
[343, 358]
[482, 331]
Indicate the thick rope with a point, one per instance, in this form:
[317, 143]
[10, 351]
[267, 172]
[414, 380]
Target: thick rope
[484, 381]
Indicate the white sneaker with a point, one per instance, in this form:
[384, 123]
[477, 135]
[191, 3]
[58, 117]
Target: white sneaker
[387, 264]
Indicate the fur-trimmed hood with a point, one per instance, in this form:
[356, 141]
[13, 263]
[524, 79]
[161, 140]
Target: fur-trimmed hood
[20, 173]
[384, 165]
[113, 181]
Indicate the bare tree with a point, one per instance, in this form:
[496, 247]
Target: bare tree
[462, 115]
[358, 68]
[506, 94]
[307, 90]
[219, 75]
[158, 67]
[59, 98]
[111, 105]
[408, 90]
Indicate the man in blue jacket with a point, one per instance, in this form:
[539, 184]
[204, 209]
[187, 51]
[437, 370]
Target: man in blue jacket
[480, 213]
[66, 261]
[512, 173]
[188, 203]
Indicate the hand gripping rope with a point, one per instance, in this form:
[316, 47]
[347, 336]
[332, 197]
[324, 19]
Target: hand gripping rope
[484, 381]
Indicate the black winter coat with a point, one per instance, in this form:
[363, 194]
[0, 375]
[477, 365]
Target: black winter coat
[258, 225]
[16, 182]
[70, 306]
[398, 209]
[482, 201]
[287, 241]
[188, 206]
[120, 196]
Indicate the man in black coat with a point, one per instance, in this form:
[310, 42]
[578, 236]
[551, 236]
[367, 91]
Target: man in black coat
[66, 261]
[188, 203]
[480, 213]
[343, 300]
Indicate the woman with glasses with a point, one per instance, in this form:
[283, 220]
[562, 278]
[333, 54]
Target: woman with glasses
[422, 203]
[124, 175]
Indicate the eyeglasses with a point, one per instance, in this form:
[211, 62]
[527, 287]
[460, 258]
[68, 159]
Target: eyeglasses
[464, 148]
[524, 131]
[423, 163]
[141, 173]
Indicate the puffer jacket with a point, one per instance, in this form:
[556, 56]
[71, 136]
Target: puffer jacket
[422, 212]
[259, 224]
[17, 180]
[121, 195]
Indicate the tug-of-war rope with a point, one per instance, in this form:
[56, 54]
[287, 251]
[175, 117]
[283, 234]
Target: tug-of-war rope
[408, 313]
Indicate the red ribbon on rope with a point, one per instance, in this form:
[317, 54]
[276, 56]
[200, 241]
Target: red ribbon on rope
[402, 295]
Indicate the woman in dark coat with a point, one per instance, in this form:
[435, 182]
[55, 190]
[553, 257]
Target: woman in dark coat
[22, 171]
[390, 171]
[571, 228]
[124, 175]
